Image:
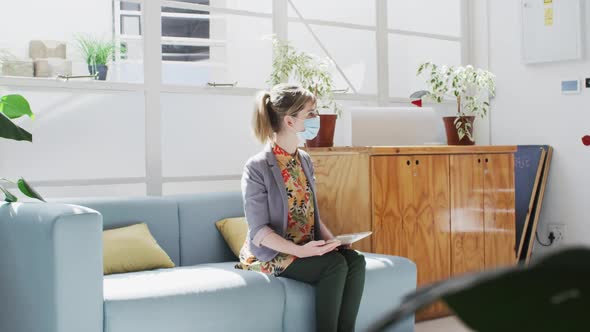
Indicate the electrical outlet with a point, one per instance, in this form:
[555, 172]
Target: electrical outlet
[558, 231]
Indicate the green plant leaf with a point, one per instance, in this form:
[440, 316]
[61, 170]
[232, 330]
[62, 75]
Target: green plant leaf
[26, 189]
[94, 50]
[11, 131]
[461, 133]
[15, 106]
[8, 196]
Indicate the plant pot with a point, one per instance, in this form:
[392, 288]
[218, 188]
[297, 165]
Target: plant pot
[101, 69]
[451, 130]
[325, 137]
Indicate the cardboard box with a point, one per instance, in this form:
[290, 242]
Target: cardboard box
[17, 68]
[52, 67]
[42, 49]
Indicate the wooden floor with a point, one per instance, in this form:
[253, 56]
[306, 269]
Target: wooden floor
[447, 324]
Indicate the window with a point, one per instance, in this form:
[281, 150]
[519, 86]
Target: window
[225, 41]
[420, 31]
[56, 24]
[353, 50]
[206, 42]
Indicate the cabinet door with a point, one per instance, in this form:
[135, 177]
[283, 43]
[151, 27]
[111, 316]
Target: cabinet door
[499, 214]
[343, 193]
[411, 212]
[467, 217]
[428, 235]
[392, 195]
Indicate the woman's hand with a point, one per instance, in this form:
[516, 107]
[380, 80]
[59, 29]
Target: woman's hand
[316, 248]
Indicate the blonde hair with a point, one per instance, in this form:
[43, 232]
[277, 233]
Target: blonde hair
[273, 106]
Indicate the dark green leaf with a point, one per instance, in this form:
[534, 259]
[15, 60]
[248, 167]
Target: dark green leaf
[11, 131]
[26, 189]
[8, 196]
[15, 106]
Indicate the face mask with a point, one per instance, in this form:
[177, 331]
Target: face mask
[312, 127]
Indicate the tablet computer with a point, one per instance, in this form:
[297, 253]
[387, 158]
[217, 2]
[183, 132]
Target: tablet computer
[350, 238]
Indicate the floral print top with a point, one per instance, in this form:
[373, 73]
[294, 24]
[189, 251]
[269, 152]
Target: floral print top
[300, 219]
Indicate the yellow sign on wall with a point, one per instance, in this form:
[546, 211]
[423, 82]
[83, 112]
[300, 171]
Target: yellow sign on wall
[548, 16]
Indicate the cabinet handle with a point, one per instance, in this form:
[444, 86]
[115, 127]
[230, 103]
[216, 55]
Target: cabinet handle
[479, 160]
[417, 162]
[408, 163]
[487, 160]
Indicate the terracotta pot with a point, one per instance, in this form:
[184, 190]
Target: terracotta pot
[453, 136]
[325, 137]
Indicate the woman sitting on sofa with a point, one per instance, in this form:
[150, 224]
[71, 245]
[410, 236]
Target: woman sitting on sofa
[286, 236]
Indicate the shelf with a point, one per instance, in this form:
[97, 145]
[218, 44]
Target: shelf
[73, 84]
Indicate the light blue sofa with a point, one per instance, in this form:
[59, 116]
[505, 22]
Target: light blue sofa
[51, 272]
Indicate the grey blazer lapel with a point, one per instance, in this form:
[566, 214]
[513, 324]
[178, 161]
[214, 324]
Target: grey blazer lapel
[305, 165]
[271, 160]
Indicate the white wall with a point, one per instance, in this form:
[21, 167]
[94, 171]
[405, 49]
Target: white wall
[78, 136]
[101, 135]
[529, 109]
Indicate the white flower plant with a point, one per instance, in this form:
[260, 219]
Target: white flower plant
[471, 87]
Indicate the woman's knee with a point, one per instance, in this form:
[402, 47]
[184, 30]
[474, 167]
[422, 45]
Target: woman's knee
[336, 263]
[356, 261]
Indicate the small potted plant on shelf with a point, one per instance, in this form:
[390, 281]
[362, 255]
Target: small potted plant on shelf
[313, 74]
[13, 107]
[472, 89]
[97, 53]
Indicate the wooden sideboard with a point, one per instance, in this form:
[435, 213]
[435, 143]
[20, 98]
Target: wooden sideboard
[450, 209]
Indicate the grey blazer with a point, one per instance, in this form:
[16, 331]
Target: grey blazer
[265, 198]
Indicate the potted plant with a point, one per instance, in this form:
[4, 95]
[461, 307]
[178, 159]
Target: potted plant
[97, 54]
[13, 107]
[313, 74]
[472, 89]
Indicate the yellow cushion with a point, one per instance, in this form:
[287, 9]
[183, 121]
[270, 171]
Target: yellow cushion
[234, 231]
[132, 248]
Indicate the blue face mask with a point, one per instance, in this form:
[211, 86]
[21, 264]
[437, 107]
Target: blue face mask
[312, 127]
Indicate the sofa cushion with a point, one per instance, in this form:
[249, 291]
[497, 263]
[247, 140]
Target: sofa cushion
[132, 248]
[160, 215]
[387, 279]
[207, 297]
[234, 232]
[200, 241]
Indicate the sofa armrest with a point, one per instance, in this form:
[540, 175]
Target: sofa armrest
[51, 275]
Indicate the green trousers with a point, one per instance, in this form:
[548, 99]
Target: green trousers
[339, 278]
